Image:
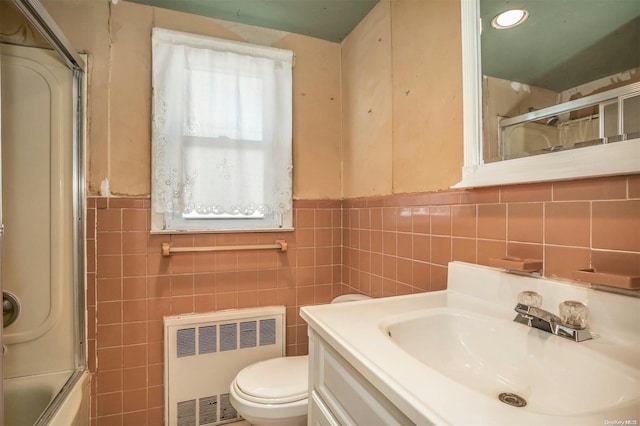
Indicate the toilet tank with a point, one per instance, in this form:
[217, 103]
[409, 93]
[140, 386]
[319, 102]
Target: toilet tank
[350, 298]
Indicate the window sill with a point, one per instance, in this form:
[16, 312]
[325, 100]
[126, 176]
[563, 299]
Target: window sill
[221, 231]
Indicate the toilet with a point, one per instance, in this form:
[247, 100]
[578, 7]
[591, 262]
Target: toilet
[275, 391]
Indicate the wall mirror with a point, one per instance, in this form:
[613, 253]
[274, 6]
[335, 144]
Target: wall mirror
[556, 97]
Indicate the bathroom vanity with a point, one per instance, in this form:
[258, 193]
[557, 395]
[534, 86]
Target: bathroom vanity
[457, 357]
[341, 395]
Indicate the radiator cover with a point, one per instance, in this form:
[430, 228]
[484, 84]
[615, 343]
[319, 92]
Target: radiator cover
[203, 354]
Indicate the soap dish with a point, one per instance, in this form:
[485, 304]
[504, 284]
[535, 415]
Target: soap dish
[517, 264]
[608, 279]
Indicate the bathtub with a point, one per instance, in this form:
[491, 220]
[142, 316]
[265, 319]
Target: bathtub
[27, 397]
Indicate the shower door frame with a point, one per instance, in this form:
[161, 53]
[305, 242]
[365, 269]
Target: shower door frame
[1, 237]
[38, 16]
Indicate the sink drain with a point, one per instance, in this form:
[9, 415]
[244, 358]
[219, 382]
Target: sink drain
[512, 399]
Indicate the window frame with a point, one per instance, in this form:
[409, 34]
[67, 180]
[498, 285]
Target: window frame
[277, 187]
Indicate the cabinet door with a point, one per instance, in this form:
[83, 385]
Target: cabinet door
[319, 414]
[350, 397]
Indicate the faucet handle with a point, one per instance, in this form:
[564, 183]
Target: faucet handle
[573, 314]
[530, 298]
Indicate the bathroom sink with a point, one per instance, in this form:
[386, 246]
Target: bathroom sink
[447, 357]
[494, 356]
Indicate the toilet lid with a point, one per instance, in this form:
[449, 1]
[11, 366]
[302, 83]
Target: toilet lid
[279, 379]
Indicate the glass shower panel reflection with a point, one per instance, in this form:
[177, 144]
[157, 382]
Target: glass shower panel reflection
[610, 120]
[579, 128]
[631, 108]
[559, 132]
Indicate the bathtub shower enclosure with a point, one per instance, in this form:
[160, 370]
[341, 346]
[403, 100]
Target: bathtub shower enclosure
[42, 215]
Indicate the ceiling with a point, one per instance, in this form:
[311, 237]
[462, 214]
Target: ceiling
[330, 20]
[563, 43]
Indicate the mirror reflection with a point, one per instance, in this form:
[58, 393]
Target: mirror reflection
[565, 77]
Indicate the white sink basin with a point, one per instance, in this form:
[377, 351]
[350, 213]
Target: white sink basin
[492, 356]
[451, 353]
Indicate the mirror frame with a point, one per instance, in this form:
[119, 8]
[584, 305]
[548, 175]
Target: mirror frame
[601, 160]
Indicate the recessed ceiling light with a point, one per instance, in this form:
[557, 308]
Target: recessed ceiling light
[509, 19]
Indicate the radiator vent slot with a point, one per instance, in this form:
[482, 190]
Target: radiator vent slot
[208, 412]
[227, 412]
[207, 339]
[248, 334]
[204, 352]
[187, 413]
[186, 342]
[228, 337]
[267, 332]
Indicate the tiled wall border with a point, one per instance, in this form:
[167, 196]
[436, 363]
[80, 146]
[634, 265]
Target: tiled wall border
[379, 246]
[131, 286]
[401, 244]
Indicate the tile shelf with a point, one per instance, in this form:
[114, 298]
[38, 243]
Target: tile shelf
[608, 279]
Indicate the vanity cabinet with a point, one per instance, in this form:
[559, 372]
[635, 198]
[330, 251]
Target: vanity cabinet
[438, 357]
[340, 395]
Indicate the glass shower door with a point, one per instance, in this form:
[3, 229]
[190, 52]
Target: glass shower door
[42, 95]
[37, 261]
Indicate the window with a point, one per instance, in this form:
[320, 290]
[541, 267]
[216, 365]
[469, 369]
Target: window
[221, 135]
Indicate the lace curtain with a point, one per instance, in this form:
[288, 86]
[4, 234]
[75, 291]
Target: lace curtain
[221, 134]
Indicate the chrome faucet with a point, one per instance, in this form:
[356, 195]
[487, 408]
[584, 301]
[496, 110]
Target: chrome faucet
[572, 327]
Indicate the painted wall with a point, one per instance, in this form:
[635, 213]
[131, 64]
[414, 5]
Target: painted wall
[402, 99]
[118, 41]
[401, 93]
[367, 108]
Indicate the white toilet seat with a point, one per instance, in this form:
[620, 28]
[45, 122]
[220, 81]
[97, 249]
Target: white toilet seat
[275, 392]
[257, 412]
[266, 402]
[274, 381]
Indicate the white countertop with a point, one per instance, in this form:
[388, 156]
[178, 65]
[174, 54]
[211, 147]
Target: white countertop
[355, 331]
